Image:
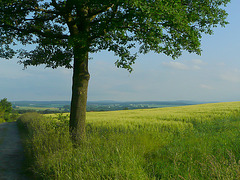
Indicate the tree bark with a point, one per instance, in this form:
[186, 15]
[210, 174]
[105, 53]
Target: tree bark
[79, 95]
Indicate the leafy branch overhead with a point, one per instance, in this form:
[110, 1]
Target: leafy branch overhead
[53, 27]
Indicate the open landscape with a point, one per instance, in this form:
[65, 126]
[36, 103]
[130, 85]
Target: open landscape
[48, 107]
[171, 113]
[187, 142]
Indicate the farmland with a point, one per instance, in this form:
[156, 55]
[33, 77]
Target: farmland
[48, 107]
[185, 142]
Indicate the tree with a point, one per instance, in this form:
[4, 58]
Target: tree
[5, 109]
[6, 105]
[62, 31]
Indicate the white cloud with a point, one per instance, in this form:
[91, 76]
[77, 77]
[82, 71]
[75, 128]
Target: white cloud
[197, 64]
[221, 64]
[198, 61]
[204, 86]
[231, 76]
[196, 67]
[176, 65]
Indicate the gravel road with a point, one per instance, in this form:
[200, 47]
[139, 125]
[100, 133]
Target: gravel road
[11, 152]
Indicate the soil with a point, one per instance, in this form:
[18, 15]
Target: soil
[11, 153]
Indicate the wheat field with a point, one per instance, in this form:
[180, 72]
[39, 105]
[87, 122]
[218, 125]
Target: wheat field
[188, 142]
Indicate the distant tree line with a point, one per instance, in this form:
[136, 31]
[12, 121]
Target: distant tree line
[51, 107]
[46, 111]
[63, 109]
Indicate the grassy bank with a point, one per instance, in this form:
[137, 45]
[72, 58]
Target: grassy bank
[190, 142]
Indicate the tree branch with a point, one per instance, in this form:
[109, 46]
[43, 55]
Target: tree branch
[93, 14]
[57, 6]
[36, 32]
[103, 32]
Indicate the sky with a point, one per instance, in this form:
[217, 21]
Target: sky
[212, 77]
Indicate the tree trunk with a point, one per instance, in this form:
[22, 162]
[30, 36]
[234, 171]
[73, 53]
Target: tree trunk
[79, 95]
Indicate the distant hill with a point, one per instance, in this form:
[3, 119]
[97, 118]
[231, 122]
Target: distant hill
[60, 103]
[55, 104]
[98, 105]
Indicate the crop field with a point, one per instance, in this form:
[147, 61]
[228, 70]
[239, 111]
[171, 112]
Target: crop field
[187, 142]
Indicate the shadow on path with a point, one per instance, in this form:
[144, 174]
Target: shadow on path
[11, 152]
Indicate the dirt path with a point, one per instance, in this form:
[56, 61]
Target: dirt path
[11, 152]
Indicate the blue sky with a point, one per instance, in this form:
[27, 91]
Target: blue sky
[213, 76]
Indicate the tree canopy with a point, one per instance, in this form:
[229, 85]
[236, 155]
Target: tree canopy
[64, 32]
[162, 26]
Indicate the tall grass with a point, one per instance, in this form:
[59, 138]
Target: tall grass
[190, 142]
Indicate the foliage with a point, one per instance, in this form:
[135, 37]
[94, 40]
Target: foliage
[6, 111]
[190, 142]
[55, 27]
[6, 106]
[1, 115]
[28, 118]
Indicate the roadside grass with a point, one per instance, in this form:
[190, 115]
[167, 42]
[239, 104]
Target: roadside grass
[189, 142]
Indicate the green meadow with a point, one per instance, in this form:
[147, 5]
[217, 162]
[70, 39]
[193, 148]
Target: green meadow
[187, 142]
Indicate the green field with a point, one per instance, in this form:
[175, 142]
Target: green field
[188, 142]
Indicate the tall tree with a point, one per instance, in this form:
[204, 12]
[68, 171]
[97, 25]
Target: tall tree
[62, 31]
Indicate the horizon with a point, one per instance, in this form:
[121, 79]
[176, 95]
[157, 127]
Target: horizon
[113, 101]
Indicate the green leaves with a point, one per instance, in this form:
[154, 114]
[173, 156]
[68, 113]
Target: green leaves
[162, 26]
[5, 110]
[5, 105]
